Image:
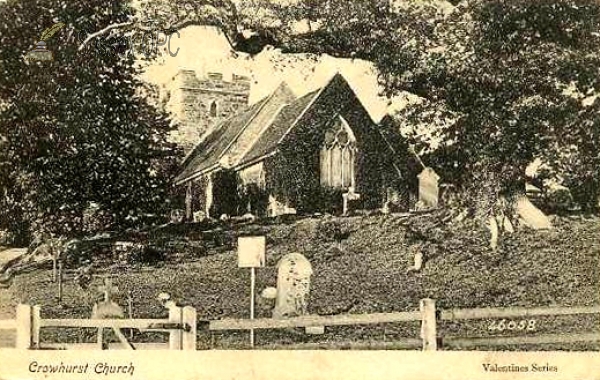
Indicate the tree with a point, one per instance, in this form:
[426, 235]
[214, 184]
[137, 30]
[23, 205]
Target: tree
[76, 131]
[533, 64]
[518, 78]
[515, 72]
[575, 159]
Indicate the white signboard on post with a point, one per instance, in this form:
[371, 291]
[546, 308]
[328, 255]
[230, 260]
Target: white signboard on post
[251, 254]
[251, 251]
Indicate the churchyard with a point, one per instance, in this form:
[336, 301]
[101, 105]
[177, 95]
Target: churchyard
[360, 264]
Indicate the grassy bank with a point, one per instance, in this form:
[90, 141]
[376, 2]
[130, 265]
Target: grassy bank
[365, 272]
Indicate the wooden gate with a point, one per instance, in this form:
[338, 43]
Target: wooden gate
[180, 325]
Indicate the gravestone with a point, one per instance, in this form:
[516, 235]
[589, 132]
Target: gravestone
[417, 259]
[531, 216]
[177, 216]
[348, 197]
[199, 216]
[107, 309]
[293, 286]
[266, 301]
[428, 188]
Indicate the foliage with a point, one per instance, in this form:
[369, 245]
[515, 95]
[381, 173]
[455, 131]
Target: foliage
[225, 184]
[559, 201]
[515, 77]
[292, 183]
[253, 199]
[145, 255]
[77, 129]
[522, 74]
[577, 163]
[331, 230]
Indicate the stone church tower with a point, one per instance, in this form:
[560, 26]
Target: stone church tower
[199, 104]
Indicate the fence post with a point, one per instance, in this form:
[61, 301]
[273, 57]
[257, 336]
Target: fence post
[175, 336]
[100, 338]
[189, 337]
[23, 327]
[60, 281]
[35, 327]
[54, 268]
[428, 324]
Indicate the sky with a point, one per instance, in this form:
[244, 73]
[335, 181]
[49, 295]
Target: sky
[205, 49]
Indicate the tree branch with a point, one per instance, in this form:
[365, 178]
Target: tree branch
[103, 31]
[227, 21]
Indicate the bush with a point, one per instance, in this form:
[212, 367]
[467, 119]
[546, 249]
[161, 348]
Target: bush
[78, 252]
[256, 198]
[174, 249]
[330, 200]
[558, 201]
[95, 219]
[145, 255]
[331, 231]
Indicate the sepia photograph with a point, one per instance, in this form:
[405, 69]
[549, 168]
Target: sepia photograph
[265, 176]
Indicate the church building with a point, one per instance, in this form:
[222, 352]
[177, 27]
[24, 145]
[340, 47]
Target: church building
[287, 154]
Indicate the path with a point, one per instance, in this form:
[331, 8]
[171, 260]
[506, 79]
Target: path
[7, 303]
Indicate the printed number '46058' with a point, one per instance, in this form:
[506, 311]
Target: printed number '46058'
[503, 324]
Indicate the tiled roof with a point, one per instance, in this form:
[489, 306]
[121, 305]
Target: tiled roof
[267, 142]
[210, 151]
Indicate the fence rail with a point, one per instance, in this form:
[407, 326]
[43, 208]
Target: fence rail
[140, 324]
[314, 321]
[8, 324]
[429, 317]
[458, 342]
[110, 346]
[182, 326]
[514, 312]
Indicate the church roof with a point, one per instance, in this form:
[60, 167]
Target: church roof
[210, 150]
[277, 116]
[284, 120]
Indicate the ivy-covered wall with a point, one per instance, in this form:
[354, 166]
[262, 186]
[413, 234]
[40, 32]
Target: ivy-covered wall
[226, 198]
[293, 173]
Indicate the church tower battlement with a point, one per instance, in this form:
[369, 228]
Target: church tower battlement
[199, 104]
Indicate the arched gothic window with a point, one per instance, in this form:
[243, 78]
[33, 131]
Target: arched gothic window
[213, 109]
[337, 156]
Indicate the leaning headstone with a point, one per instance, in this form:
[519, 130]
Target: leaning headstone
[269, 293]
[293, 286]
[428, 188]
[417, 259]
[531, 215]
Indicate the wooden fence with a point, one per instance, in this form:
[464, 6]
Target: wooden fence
[181, 326]
[430, 318]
